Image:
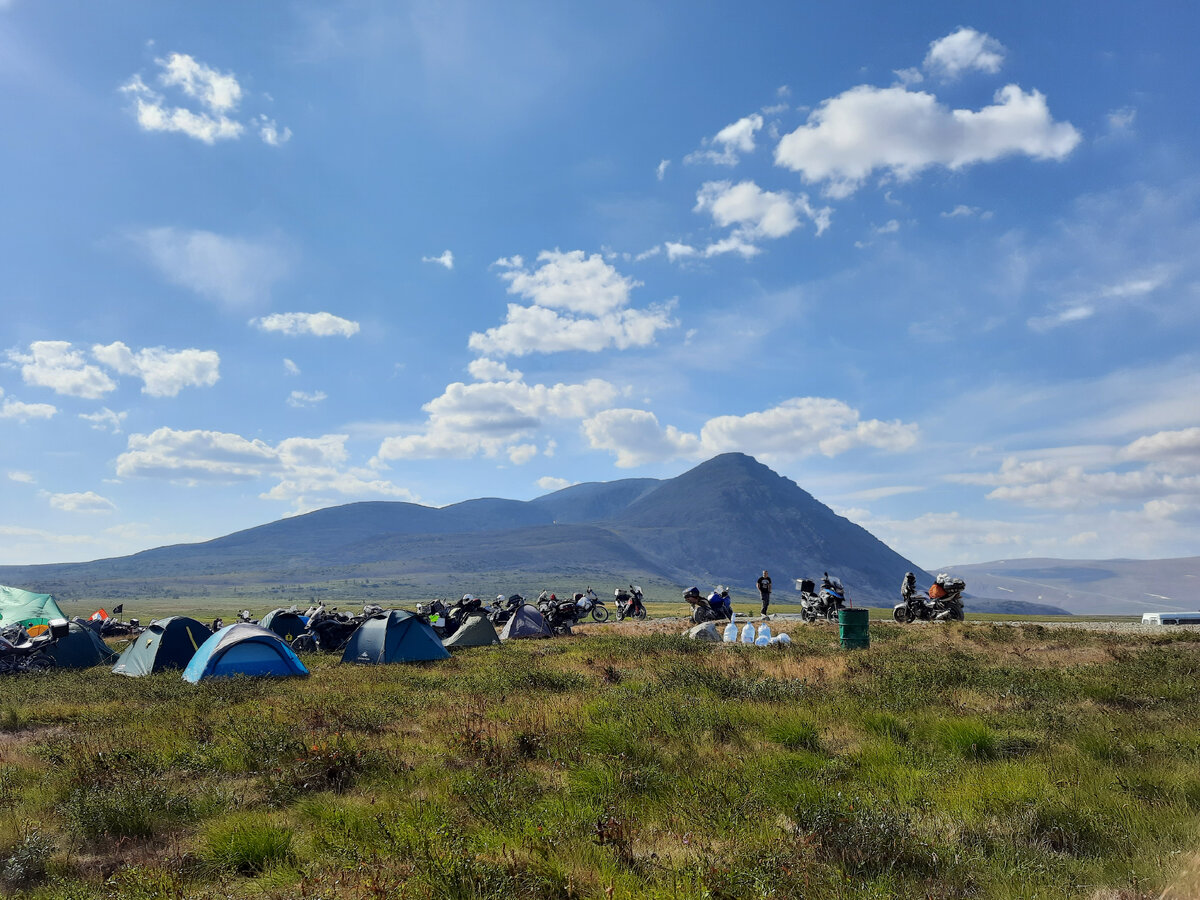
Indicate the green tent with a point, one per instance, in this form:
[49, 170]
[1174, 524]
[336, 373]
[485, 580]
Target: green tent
[166, 644]
[477, 631]
[395, 636]
[34, 611]
[81, 648]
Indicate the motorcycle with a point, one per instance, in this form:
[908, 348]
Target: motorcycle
[502, 610]
[591, 605]
[711, 609]
[20, 653]
[629, 602]
[328, 630]
[560, 615]
[823, 604]
[941, 603]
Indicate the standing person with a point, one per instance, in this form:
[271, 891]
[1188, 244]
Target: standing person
[764, 590]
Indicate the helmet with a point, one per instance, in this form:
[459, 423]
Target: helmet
[467, 597]
[909, 576]
[499, 598]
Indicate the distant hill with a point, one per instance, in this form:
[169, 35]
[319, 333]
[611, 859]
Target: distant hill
[1111, 586]
[722, 522]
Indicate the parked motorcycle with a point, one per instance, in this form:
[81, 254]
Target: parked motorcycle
[328, 629]
[560, 615]
[20, 653]
[629, 602]
[591, 605]
[822, 604]
[705, 609]
[502, 610]
[941, 603]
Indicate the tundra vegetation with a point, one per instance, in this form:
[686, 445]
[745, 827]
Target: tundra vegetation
[977, 760]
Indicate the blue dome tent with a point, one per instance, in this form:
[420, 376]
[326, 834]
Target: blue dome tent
[243, 649]
[394, 637]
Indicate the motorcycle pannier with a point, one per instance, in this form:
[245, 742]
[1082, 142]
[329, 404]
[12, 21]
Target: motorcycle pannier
[936, 591]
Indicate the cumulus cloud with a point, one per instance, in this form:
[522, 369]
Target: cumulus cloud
[519, 454]
[308, 471]
[484, 369]
[727, 145]
[962, 51]
[300, 400]
[578, 302]
[23, 412]
[86, 502]
[105, 420]
[755, 213]
[21, 477]
[209, 100]
[660, 171]
[63, 369]
[488, 417]
[551, 483]
[238, 272]
[798, 427]
[319, 324]
[164, 372]
[901, 133]
[446, 260]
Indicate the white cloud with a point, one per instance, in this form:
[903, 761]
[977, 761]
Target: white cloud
[1175, 447]
[484, 369]
[492, 416]
[594, 296]
[963, 50]
[660, 171]
[319, 324]
[310, 471]
[889, 227]
[300, 400]
[216, 96]
[754, 215]
[962, 211]
[21, 477]
[902, 132]
[164, 372]
[87, 502]
[1087, 304]
[446, 259]
[551, 483]
[725, 147]
[63, 369]
[677, 251]
[795, 428]
[270, 132]
[290, 368]
[1120, 121]
[519, 454]
[235, 271]
[23, 412]
[105, 420]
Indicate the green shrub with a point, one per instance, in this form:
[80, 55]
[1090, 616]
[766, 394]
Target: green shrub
[247, 846]
[24, 863]
[862, 837]
[969, 739]
[795, 734]
[111, 809]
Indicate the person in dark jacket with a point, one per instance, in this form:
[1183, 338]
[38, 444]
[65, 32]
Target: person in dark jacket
[764, 590]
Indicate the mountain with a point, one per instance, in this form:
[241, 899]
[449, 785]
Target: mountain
[722, 522]
[1113, 586]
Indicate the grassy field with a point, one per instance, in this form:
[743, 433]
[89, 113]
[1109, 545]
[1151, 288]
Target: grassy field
[977, 760]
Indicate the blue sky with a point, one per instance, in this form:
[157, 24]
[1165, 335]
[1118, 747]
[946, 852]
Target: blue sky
[939, 267]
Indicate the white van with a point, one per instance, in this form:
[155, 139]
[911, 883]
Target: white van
[1171, 618]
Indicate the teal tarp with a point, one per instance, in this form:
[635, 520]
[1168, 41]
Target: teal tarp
[166, 644]
[20, 606]
[396, 636]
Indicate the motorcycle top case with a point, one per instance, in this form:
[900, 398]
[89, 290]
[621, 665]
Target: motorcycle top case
[806, 586]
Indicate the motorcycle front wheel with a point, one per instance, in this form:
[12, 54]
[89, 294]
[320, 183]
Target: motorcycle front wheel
[600, 613]
[640, 612]
[902, 615]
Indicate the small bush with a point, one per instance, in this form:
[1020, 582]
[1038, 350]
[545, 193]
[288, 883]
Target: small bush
[105, 809]
[969, 739]
[860, 837]
[796, 735]
[25, 862]
[247, 847]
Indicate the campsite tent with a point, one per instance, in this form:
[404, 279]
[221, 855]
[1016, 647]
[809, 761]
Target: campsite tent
[81, 648]
[526, 622]
[287, 624]
[396, 636]
[166, 644]
[243, 649]
[477, 631]
[34, 611]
